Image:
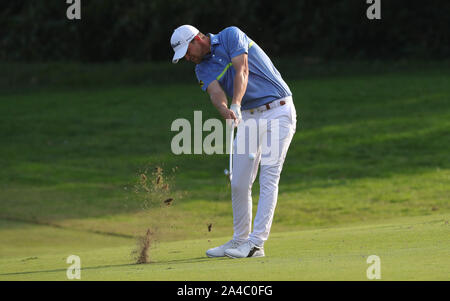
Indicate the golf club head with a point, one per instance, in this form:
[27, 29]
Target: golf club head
[227, 174]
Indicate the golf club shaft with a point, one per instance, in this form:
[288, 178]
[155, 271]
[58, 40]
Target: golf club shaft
[231, 149]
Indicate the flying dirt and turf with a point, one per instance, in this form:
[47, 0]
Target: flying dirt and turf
[87, 171]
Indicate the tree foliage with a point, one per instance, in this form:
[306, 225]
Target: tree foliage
[139, 30]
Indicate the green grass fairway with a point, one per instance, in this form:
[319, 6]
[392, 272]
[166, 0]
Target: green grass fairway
[409, 249]
[367, 173]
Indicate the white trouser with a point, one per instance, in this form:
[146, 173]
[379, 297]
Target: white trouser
[245, 169]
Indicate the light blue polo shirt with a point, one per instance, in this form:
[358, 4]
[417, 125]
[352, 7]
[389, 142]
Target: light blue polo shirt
[265, 83]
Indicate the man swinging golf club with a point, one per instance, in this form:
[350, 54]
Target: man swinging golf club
[231, 64]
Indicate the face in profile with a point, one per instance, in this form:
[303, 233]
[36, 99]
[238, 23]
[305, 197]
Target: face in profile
[195, 51]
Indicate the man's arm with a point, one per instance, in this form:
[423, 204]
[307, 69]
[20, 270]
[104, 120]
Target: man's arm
[240, 64]
[219, 100]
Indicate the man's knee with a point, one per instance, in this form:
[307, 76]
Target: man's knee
[239, 187]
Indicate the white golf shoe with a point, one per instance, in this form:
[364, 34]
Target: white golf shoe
[247, 249]
[220, 250]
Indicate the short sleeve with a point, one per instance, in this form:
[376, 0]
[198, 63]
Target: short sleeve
[204, 77]
[235, 41]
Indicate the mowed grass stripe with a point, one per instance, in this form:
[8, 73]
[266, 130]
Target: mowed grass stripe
[409, 248]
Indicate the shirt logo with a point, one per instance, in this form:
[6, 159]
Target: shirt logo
[201, 83]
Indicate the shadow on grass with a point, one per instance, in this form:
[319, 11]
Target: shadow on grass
[168, 262]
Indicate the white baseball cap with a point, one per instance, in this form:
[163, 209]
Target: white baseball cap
[180, 40]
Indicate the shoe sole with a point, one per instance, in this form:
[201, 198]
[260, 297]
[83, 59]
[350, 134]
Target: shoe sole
[254, 256]
[212, 256]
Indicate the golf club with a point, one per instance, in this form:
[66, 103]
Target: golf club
[229, 172]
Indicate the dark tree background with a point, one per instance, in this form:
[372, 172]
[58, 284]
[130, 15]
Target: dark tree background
[139, 30]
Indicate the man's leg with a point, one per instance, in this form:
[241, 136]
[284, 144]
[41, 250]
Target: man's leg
[245, 170]
[244, 174]
[270, 174]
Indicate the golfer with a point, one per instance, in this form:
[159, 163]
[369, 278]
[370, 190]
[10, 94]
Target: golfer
[231, 64]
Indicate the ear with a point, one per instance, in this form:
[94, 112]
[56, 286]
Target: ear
[197, 38]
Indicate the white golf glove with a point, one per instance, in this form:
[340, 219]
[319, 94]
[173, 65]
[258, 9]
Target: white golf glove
[237, 112]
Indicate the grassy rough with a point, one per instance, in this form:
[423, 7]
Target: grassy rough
[368, 147]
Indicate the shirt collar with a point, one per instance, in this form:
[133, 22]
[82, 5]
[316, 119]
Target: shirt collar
[214, 41]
